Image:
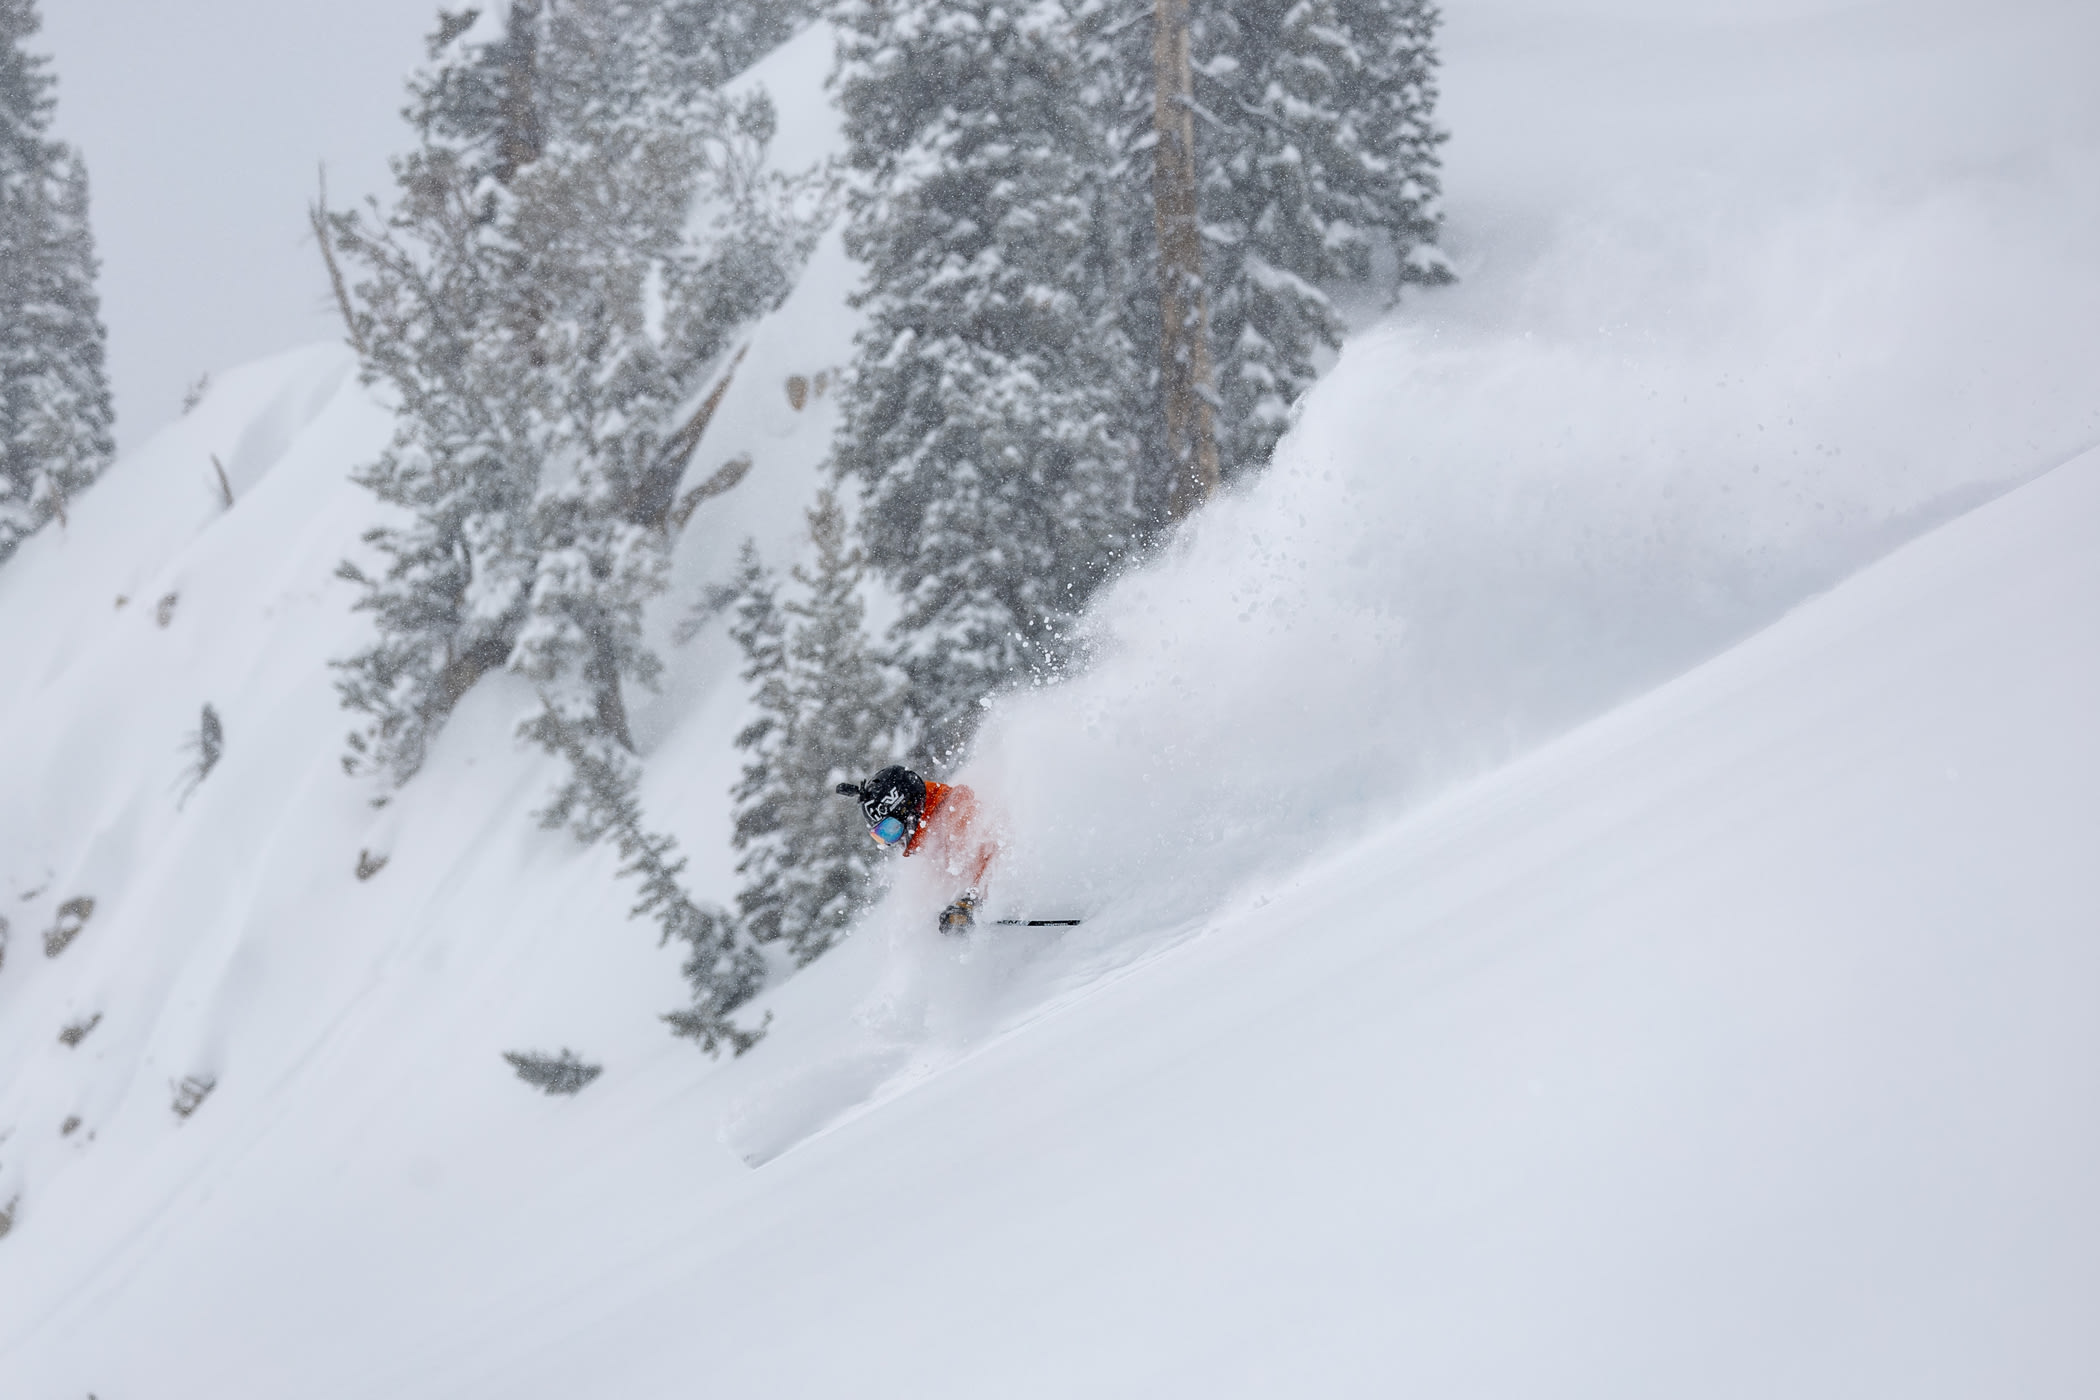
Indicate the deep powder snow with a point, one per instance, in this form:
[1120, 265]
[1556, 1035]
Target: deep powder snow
[1420, 1035]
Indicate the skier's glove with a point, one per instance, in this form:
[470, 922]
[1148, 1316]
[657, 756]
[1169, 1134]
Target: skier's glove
[959, 916]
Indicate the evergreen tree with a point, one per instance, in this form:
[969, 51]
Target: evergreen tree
[990, 415]
[1004, 413]
[445, 315]
[1322, 145]
[55, 410]
[552, 1074]
[825, 705]
[711, 41]
[1317, 150]
[580, 233]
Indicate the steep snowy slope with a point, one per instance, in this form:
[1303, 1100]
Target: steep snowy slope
[1732, 1044]
[233, 925]
[1739, 1043]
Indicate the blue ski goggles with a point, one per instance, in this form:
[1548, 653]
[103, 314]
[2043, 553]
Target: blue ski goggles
[887, 832]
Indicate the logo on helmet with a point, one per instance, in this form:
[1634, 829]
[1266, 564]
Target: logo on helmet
[896, 792]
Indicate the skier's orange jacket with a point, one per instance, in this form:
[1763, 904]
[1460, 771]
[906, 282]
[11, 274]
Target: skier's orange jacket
[944, 827]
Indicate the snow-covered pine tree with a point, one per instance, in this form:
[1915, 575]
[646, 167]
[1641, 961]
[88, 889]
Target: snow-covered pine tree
[579, 236]
[1320, 145]
[548, 318]
[1389, 91]
[446, 322]
[630, 148]
[55, 409]
[826, 708]
[1004, 415]
[760, 632]
[990, 417]
[597, 216]
[711, 41]
[1317, 148]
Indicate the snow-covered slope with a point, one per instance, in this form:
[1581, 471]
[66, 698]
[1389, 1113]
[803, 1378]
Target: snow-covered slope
[1739, 1043]
[1733, 1043]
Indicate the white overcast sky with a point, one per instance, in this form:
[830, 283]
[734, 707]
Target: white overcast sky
[203, 123]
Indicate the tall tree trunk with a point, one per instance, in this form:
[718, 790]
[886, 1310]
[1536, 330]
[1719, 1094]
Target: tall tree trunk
[603, 672]
[1184, 342]
[466, 667]
[520, 140]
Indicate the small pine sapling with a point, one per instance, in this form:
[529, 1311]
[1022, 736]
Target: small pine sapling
[555, 1075]
[206, 746]
[77, 1031]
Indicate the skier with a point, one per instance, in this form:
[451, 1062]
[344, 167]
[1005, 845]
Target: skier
[903, 809]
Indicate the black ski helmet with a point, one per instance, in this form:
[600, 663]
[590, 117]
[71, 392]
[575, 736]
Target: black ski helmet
[896, 791]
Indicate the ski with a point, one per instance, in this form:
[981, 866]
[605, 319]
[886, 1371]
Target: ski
[1039, 923]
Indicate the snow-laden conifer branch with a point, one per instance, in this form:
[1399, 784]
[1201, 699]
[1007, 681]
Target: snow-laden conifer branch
[600, 801]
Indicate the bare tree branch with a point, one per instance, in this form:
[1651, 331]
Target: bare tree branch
[317, 215]
[659, 488]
